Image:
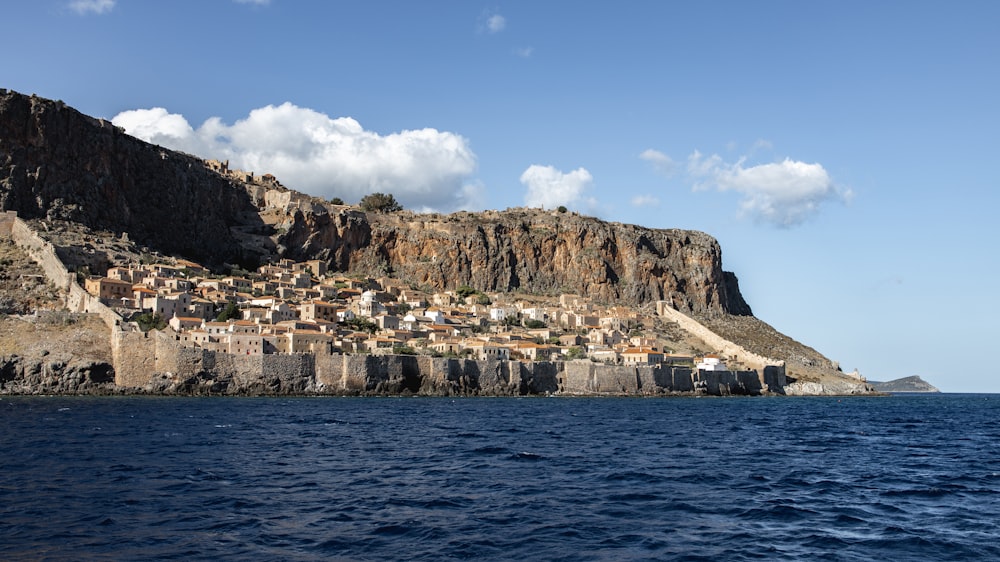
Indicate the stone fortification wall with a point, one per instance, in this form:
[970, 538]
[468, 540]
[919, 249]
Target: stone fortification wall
[133, 354]
[156, 361]
[722, 345]
[7, 219]
[143, 360]
[727, 383]
[44, 254]
[431, 375]
[584, 377]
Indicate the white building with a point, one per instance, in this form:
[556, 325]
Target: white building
[500, 313]
[711, 363]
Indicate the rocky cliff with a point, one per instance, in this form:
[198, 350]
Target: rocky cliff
[526, 250]
[61, 166]
[57, 164]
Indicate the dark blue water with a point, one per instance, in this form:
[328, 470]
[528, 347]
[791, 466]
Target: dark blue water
[900, 478]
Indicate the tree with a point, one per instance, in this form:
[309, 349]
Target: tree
[464, 291]
[362, 325]
[336, 201]
[380, 203]
[533, 324]
[231, 312]
[562, 208]
[149, 321]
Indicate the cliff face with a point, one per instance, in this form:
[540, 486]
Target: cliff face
[57, 164]
[533, 251]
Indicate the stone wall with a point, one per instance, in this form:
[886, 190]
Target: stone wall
[134, 356]
[7, 219]
[727, 383]
[141, 360]
[44, 254]
[723, 346]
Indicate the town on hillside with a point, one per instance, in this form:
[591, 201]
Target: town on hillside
[301, 307]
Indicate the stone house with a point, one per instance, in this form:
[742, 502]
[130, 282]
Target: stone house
[143, 297]
[641, 356]
[245, 344]
[315, 310]
[307, 341]
[107, 289]
[183, 323]
[171, 304]
[381, 343]
[316, 267]
[129, 274]
[240, 284]
[386, 321]
[201, 308]
[485, 350]
[449, 345]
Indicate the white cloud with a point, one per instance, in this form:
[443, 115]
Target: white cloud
[311, 152]
[83, 7]
[549, 188]
[155, 125]
[662, 163]
[496, 23]
[490, 22]
[783, 193]
[645, 201]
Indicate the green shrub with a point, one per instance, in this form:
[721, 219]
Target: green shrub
[380, 203]
[149, 321]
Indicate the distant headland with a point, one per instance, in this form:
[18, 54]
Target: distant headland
[905, 384]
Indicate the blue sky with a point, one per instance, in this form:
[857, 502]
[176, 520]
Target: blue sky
[843, 153]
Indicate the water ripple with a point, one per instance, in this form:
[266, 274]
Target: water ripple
[902, 478]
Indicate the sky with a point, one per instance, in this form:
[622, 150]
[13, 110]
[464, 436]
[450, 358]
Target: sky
[843, 153]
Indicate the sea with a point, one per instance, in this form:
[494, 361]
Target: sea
[905, 477]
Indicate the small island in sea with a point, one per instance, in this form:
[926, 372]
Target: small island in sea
[131, 268]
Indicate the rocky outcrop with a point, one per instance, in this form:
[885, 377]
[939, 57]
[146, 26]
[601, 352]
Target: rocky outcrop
[23, 375]
[839, 387]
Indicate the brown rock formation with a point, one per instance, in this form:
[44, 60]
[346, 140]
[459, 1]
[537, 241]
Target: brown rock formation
[529, 250]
